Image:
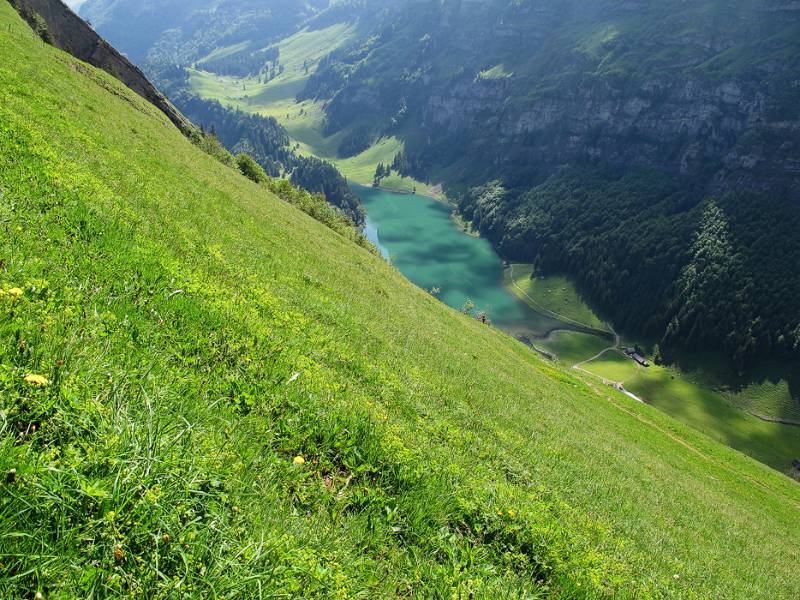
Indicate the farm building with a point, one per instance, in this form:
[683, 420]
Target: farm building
[635, 356]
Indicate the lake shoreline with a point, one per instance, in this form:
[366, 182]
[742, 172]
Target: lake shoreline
[439, 195]
[429, 248]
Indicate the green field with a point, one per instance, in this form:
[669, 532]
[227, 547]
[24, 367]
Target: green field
[304, 120]
[570, 347]
[496, 72]
[552, 294]
[226, 51]
[679, 395]
[301, 50]
[207, 393]
[690, 396]
[276, 98]
[767, 392]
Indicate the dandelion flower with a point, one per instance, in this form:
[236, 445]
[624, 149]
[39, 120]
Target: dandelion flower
[15, 292]
[299, 460]
[36, 380]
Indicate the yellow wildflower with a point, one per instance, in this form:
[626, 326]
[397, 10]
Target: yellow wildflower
[299, 460]
[36, 380]
[15, 292]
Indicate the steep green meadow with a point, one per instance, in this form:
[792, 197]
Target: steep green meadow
[206, 393]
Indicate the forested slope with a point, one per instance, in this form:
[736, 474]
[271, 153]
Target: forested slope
[693, 274]
[204, 391]
[267, 142]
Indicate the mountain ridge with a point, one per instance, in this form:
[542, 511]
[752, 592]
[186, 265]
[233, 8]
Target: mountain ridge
[67, 31]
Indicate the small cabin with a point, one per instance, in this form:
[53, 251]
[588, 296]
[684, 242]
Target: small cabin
[633, 354]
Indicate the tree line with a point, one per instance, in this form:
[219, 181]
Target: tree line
[660, 259]
[268, 143]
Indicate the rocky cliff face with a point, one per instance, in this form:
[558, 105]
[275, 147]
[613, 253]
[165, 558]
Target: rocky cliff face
[699, 90]
[730, 133]
[65, 30]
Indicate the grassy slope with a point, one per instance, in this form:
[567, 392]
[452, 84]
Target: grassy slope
[440, 455]
[303, 120]
[571, 347]
[766, 392]
[218, 53]
[770, 397]
[677, 394]
[689, 397]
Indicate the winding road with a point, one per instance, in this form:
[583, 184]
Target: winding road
[619, 385]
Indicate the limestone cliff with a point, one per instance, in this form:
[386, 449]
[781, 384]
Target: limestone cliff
[731, 133]
[695, 89]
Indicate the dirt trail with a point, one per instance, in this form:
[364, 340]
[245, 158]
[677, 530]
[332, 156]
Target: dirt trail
[579, 366]
[619, 385]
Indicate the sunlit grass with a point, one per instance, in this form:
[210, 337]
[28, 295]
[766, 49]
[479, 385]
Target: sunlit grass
[693, 400]
[225, 51]
[570, 347]
[304, 121]
[552, 293]
[198, 334]
[675, 392]
[767, 393]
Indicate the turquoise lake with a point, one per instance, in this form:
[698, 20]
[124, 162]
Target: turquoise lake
[417, 234]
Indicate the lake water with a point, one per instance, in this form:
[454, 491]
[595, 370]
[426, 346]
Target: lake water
[418, 236]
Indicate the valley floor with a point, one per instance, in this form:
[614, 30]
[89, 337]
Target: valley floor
[304, 120]
[747, 420]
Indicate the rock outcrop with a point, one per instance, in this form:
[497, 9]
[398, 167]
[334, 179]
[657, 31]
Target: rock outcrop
[62, 28]
[729, 133]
